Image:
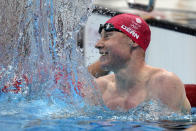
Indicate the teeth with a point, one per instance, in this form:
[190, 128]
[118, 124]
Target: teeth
[103, 53]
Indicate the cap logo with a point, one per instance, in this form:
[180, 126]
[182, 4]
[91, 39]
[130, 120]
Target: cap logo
[130, 31]
[138, 20]
[107, 26]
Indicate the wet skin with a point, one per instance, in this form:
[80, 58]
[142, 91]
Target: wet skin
[134, 82]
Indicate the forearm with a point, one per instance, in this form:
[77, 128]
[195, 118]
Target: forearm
[95, 69]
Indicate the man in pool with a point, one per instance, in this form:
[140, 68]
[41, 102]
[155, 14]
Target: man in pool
[124, 40]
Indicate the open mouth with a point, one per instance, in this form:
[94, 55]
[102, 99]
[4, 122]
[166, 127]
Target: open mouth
[103, 53]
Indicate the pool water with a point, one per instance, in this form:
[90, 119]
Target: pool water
[90, 124]
[39, 115]
[42, 74]
[10, 123]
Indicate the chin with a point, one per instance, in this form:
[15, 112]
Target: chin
[105, 64]
[106, 67]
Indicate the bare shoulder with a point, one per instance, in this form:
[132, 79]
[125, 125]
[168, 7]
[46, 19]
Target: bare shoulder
[102, 82]
[164, 79]
[170, 90]
[167, 84]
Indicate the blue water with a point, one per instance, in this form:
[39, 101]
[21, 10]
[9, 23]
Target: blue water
[42, 74]
[84, 123]
[39, 115]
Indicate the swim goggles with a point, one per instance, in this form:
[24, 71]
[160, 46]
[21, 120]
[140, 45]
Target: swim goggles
[107, 27]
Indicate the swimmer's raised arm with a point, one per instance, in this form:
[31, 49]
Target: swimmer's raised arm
[96, 70]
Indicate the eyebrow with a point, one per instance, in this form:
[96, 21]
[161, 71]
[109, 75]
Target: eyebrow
[107, 33]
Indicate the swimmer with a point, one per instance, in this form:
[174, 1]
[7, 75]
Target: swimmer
[124, 40]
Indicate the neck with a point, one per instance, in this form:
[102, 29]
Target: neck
[132, 75]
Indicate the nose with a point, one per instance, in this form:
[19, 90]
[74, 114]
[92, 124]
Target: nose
[99, 44]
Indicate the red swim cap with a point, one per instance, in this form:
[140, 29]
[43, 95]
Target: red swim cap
[134, 27]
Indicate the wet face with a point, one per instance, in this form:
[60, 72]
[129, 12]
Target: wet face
[114, 48]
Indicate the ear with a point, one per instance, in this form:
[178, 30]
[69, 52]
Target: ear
[134, 45]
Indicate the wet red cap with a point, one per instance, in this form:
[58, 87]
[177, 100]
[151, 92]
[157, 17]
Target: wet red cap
[134, 27]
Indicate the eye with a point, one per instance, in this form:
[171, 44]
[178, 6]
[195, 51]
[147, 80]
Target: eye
[107, 35]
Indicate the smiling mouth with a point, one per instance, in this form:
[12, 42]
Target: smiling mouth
[103, 53]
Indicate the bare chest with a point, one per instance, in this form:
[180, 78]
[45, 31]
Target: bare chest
[126, 101]
[119, 103]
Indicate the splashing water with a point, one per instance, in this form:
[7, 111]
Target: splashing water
[40, 59]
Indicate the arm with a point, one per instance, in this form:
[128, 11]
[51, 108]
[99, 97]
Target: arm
[95, 69]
